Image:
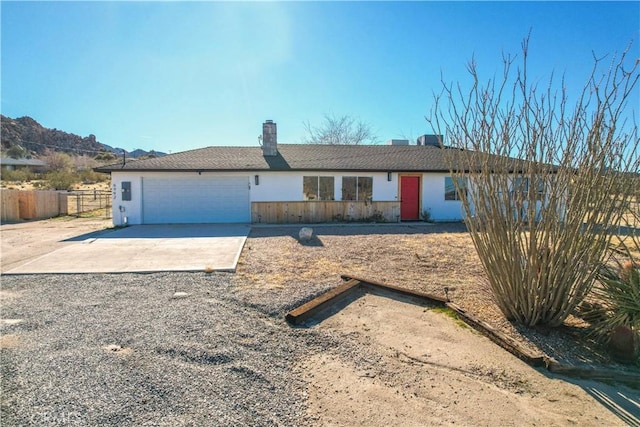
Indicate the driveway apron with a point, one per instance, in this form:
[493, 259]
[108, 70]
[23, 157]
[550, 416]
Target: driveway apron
[146, 249]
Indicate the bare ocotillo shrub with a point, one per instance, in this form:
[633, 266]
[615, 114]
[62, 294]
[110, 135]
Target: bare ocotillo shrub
[541, 180]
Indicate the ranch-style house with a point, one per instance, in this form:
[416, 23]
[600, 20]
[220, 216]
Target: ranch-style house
[287, 183]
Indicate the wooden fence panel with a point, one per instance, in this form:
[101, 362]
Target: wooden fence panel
[10, 205]
[324, 211]
[63, 203]
[47, 204]
[24, 205]
[27, 202]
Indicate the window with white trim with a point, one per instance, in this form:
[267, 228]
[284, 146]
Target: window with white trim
[450, 192]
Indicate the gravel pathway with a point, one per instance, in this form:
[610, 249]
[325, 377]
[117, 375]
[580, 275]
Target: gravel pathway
[132, 349]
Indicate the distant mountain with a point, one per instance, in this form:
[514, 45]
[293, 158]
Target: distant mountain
[35, 139]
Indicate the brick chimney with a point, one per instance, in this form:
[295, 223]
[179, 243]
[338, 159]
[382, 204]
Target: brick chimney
[269, 139]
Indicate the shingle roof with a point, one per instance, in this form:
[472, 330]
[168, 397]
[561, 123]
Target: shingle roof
[296, 157]
[8, 161]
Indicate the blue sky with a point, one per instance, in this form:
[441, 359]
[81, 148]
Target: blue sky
[173, 76]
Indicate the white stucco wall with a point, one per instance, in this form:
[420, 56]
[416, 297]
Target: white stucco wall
[131, 210]
[384, 190]
[433, 199]
[287, 186]
[276, 186]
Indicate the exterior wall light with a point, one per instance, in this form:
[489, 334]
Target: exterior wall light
[389, 176]
[257, 179]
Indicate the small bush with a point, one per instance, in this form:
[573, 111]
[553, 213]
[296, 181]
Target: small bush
[61, 180]
[89, 176]
[619, 294]
[377, 216]
[18, 175]
[105, 156]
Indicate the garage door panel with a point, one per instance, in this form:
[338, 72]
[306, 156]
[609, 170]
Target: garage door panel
[195, 200]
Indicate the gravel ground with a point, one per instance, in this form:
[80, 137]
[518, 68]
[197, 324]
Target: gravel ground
[124, 350]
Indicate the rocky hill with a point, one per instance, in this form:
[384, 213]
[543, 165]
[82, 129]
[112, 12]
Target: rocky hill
[35, 140]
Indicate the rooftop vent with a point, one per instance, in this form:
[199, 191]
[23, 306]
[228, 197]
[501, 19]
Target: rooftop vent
[398, 142]
[431, 140]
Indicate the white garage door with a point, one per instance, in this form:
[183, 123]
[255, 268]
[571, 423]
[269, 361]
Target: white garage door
[198, 200]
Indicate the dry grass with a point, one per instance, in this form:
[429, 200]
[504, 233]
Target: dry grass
[36, 185]
[426, 258]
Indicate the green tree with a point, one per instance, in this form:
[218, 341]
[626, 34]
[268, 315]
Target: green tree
[105, 156]
[60, 179]
[16, 152]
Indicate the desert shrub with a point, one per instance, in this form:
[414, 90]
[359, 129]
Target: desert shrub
[89, 176]
[426, 215]
[19, 175]
[618, 288]
[541, 179]
[57, 161]
[105, 157]
[619, 293]
[16, 152]
[376, 216]
[60, 180]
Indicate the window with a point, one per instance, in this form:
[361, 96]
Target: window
[357, 188]
[450, 192]
[317, 188]
[521, 188]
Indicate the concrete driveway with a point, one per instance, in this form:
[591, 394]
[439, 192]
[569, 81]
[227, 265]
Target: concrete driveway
[145, 249]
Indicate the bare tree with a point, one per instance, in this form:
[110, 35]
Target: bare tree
[541, 181]
[342, 130]
[58, 161]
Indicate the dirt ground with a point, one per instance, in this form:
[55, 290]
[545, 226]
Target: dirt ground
[25, 241]
[424, 368]
[429, 370]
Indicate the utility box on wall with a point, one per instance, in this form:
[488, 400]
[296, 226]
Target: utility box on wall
[126, 190]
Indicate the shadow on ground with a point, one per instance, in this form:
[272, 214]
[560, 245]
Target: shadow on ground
[165, 231]
[356, 229]
[623, 401]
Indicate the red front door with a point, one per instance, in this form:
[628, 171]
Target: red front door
[409, 198]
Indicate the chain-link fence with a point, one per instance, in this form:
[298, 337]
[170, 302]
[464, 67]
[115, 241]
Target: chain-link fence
[89, 203]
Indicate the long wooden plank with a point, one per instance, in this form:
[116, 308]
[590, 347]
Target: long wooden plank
[504, 341]
[403, 291]
[302, 313]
